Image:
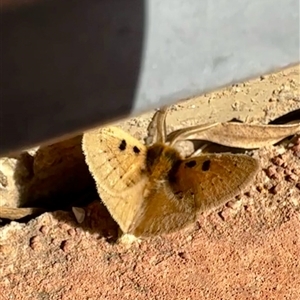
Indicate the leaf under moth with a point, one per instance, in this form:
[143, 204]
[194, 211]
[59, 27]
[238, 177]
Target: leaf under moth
[17, 213]
[234, 134]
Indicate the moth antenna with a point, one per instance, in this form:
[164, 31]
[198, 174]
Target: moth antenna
[161, 125]
[191, 132]
[152, 130]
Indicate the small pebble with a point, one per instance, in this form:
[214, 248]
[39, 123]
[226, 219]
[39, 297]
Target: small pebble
[291, 178]
[271, 171]
[279, 170]
[278, 161]
[64, 226]
[238, 197]
[259, 188]
[182, 255]
[44, 229]
[287, 172]
[54, 241]
[71, 232]
[226, 214]
[268, 185]
[35, 243]
[197, 226]
[234, 204]
[274, 190]
[249, 193]
[66, 246]
[5, 250]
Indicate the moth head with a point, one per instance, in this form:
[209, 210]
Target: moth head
[161, 155]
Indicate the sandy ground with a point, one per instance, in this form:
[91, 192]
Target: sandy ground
[247, 249]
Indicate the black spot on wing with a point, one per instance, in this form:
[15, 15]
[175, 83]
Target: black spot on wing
[123, 145]
[190, 164]
[136, 150]
[206, 165]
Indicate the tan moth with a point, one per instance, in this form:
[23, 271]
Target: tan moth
[151, 190]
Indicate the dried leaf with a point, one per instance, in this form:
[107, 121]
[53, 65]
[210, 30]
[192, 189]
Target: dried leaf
[16, 213]
[237, 135]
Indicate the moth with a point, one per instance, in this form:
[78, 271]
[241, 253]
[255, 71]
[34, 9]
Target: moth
[151, 189]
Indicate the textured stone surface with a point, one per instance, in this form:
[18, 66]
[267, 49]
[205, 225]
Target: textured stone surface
[247, 249]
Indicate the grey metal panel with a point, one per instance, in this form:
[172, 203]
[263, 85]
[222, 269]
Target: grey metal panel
[197, 46]
[70, 65]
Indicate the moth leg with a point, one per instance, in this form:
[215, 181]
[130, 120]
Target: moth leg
[127, 239]
[79, 214]
[198, 151]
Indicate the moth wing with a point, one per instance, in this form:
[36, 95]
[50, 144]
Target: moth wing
[116, 160]
[215, 178]
[163, 211]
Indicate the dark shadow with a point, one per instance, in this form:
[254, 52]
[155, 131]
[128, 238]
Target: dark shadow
[67, 66]
[97, 221]
[56, 179]
[292, 116]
